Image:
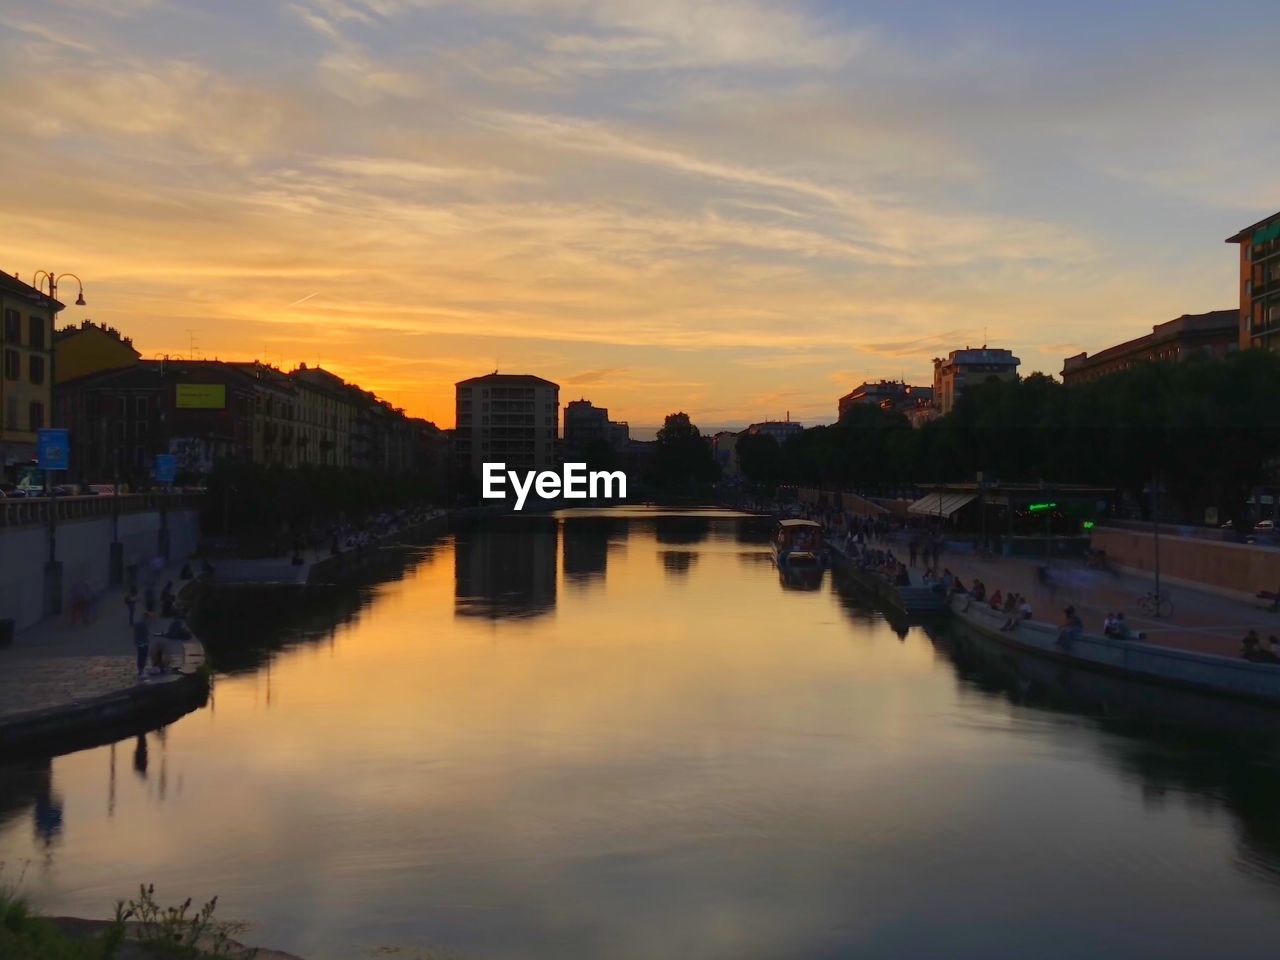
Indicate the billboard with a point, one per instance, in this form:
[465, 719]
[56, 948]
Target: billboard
[201, 396]
[53, 446]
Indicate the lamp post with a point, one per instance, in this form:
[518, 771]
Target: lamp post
[1155, 531]
[53, 571]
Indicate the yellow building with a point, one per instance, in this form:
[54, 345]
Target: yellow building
[90, 348]
[26, 373]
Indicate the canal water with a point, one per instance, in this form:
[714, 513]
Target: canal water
[620, 734]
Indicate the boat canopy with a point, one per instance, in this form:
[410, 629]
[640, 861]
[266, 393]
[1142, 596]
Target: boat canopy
[792, 524]
[941, 504]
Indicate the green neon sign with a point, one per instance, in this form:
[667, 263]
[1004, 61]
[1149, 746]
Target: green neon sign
[1038, 507]
[1088, 524]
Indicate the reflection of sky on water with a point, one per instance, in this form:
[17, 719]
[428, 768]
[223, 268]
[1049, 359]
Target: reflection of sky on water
[649, 764]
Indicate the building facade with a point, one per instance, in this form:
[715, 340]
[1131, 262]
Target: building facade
[506, 418]
[780, 430]
[27, 373]
[964, 368]
[323, 417]
[90, 348]
[1259, 316]
[585, 423]
[1213, 334]
[894, 395]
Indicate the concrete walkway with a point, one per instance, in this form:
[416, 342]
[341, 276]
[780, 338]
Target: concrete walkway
[1201, 620]
[57, 663]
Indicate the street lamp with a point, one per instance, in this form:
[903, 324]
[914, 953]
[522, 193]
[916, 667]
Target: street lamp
[53, 582]
[47, 278]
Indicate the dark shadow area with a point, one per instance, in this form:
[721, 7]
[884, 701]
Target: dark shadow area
[1165, 741]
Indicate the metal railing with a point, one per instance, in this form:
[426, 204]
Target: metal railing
[34, 511]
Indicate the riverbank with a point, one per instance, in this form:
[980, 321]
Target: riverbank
[68, 684]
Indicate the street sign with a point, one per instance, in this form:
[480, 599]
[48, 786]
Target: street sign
[53, 448]
[166, 468]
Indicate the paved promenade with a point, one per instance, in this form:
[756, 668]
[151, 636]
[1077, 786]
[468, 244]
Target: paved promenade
[1201, 620]
[56, 662]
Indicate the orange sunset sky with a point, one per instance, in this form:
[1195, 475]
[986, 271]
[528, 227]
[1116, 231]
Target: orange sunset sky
[735, 209]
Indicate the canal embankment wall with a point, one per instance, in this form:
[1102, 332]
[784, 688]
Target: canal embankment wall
[1235, 570]
[83, 551]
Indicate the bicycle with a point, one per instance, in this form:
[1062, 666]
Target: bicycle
[1156, 604]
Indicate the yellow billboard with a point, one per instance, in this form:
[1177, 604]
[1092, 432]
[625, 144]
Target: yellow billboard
[201, 396]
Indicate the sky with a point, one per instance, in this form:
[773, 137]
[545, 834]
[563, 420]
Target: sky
[737, 209]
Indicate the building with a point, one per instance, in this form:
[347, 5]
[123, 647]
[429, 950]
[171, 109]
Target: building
[26, 379]
[963, 368]
[90, 348]
[201, 410]
[724, 447]
[585, 423]
[1259, 315]
[274, 440]
[780, 430]
[323, 417]
[1213, 334]
[887, 395]
[507, 418]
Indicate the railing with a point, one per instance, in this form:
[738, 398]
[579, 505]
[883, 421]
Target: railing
[34, 511]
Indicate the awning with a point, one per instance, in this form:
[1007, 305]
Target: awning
[941, 504]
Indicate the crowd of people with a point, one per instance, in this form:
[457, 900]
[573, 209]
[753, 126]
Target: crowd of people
[1253, 650]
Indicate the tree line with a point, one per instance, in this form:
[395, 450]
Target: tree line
[1207, 431]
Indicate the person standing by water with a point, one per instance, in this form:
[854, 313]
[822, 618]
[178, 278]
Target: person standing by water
[142, 641]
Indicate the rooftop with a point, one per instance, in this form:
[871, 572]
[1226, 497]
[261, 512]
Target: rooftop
[1215, 321]
[1246, 235]
[507, 378]
[14, 285]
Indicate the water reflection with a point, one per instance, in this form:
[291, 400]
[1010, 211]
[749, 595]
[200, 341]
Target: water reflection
[587, 541]
[1170, 743]
[700, 766]
[506, 568]
[678, 563]
[681, 530]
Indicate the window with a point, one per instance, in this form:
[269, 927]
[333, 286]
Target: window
[12, 365]
[35, 368]
[35, 415]
[120, 431]
[140, 406]
[140, 430]
[35, 332]
[12, 326]
[124, 407]
[11, 414]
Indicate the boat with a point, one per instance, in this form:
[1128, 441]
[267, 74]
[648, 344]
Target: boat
[798, 543]
[1206, 672]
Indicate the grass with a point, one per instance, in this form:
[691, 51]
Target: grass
[166, 933]
[25, 936]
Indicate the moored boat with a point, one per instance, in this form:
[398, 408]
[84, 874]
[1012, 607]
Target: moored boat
[798, 542]
[1151, 662]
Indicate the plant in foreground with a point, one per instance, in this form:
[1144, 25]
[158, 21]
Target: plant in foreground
[179, 932]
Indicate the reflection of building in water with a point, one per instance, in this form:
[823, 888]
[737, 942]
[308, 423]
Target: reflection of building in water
[507, 569]
[678, 563]
[681, 530]
[586, 546]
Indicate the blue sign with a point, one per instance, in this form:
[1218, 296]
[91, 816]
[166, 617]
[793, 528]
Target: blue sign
[166, 468]
[53, 448]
